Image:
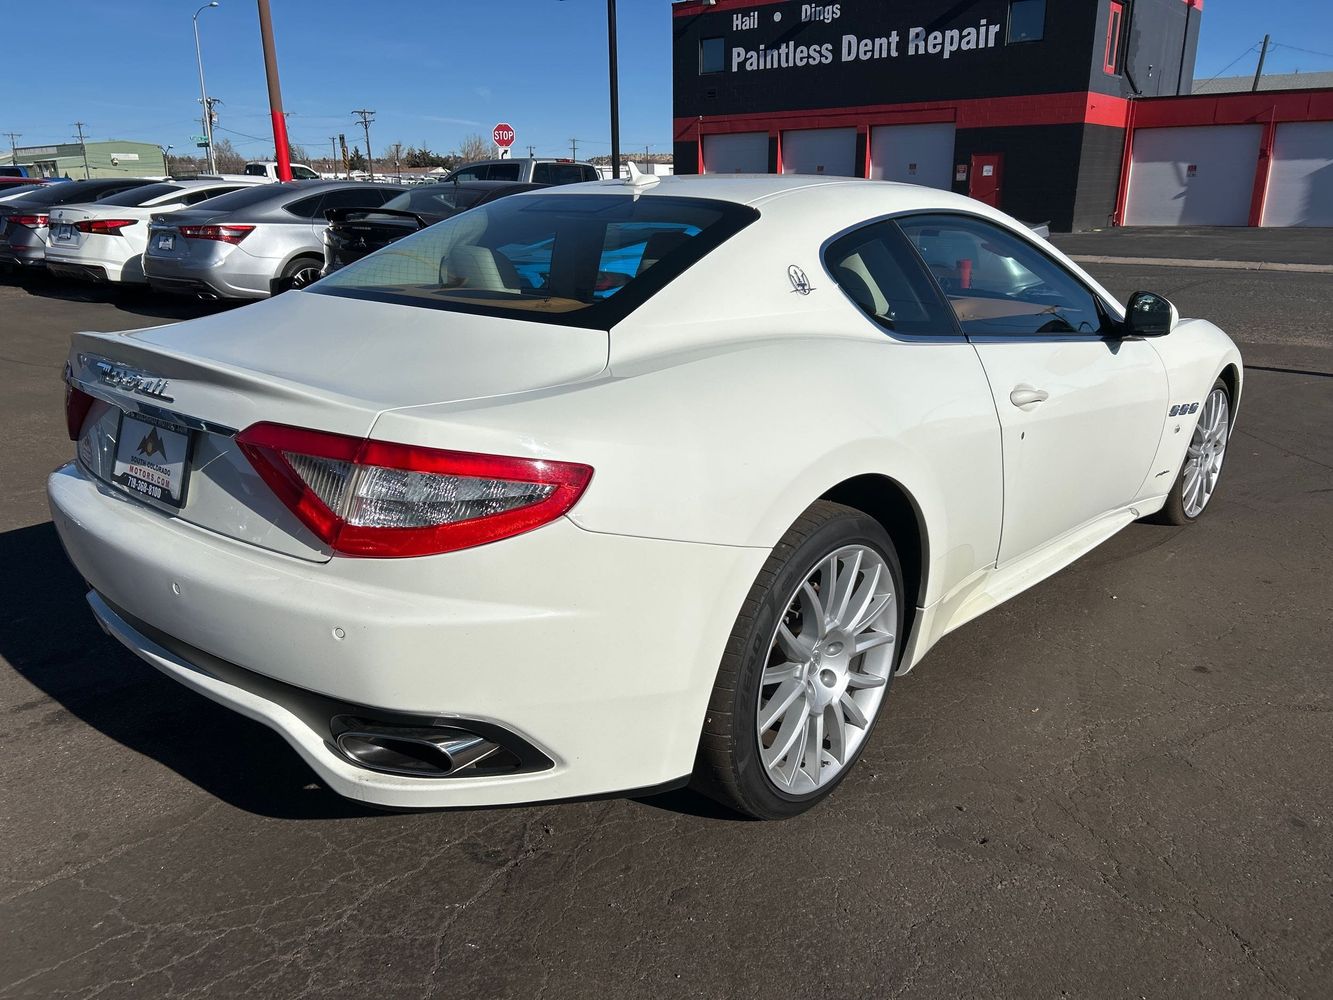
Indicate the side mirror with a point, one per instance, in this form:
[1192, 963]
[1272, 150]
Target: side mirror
[1149, 315]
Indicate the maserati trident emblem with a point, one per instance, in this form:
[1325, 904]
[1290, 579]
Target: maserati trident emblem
[799, 282]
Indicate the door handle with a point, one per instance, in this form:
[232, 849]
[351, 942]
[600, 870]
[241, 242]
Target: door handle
[1025, 396]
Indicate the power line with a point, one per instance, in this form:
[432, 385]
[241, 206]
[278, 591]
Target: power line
[1297, 48]
[1252, 48]
[366, 121]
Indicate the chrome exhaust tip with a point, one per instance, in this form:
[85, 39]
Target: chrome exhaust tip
[207, 296]
[414, 751]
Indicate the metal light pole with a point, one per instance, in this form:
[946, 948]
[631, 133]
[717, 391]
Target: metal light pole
[615, 87]
[281, 150]
[203, 91]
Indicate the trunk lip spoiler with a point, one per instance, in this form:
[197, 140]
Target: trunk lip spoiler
[127, 402]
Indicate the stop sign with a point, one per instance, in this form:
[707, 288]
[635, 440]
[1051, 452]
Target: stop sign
[503, 134]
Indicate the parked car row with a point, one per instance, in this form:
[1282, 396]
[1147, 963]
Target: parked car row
[219, 238]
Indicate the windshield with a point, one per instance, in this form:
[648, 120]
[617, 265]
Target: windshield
[135, 197]
[583, 260]
[442, 199]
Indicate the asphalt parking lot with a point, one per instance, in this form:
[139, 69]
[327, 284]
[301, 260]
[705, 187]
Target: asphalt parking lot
[1115, 785]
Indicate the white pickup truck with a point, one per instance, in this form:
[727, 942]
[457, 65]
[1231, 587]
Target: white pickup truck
[269, 169]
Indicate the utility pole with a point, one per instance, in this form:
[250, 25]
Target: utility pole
[1259, 70]
[615, 87]
[13, 146]
[87, 174]
[397, 156]
[333, 140]
[366, 122]
[281, 148]
[532, 152]
[573, 149]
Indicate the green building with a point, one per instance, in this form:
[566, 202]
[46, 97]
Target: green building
[104, 159]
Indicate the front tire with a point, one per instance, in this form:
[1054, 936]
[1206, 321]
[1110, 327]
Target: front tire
[807, 667]
[1197, 482]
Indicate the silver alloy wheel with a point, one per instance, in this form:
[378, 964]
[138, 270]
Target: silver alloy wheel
[827, 670]
[1208, 445]
[305, 276]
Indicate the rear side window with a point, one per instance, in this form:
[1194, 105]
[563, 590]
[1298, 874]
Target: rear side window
[481, 172]
[577, 260]
[365, 197]
[881, 273]
[562, 173]
[503, 172]
[256, 170]
[135, 197]
[306, 208]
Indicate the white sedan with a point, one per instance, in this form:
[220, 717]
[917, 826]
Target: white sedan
[596, 489]
[105, 241]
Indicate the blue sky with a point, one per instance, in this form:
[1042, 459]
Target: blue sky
[433, 71]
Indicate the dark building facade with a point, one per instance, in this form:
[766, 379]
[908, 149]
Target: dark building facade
[1023, 104]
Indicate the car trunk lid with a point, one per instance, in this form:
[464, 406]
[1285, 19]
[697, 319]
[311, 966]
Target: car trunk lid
[313, 361]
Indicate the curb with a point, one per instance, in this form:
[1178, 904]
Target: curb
[1229, 265]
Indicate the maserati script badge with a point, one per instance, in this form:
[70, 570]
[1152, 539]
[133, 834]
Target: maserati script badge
[129, 380]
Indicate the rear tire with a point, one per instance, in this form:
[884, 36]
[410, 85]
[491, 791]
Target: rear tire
[1200, 470]
[796, 642]
[299, 273]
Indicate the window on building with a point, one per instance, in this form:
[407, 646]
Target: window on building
[1115, 30]
[712, 55]
[1027, 20]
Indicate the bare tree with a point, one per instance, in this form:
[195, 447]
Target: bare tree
[228, 160]
[475, 147]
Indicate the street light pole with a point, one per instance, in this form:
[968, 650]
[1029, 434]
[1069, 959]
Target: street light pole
[203, 91]
[615, 87]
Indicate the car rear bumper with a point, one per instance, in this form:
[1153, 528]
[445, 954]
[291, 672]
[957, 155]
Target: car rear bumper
[598, 650]
[221, 278]
[83, 272]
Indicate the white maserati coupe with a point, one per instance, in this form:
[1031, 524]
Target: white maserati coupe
[595, 489]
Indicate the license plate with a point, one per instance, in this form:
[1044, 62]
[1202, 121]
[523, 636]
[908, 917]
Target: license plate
[152, 459]
[165, 241]
[63, 233]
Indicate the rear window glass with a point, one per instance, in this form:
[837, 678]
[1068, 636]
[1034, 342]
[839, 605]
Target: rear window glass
[74, 191]
[578, 260]
[442, 200]
[135, 197]
[245, 197]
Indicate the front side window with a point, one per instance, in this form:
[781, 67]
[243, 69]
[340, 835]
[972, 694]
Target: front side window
[999, 284]
[881, 273]
[442, 199]
[579, 260]
[364, 197]
[712, 55]
[304, 174]
[1027, 21]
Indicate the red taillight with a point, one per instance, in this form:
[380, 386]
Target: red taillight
[77, 405]
[35, 221]
[223, 234]
[107, 227]
[376, 498]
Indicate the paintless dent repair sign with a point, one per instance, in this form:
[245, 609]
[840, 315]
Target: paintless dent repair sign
[790, 56]
[908, 42]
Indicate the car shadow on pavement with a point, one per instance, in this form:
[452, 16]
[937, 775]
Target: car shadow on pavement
[49, 637]
[134, 299]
